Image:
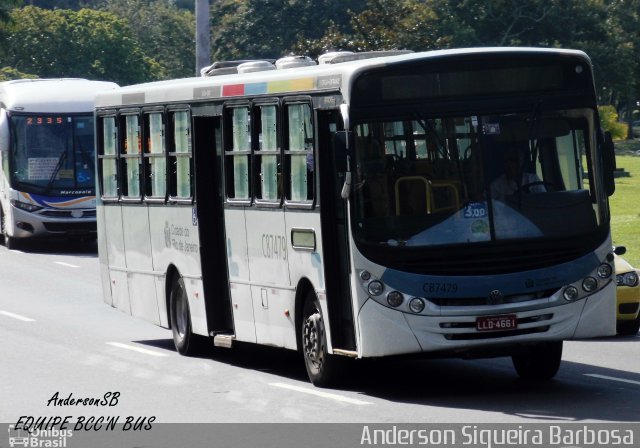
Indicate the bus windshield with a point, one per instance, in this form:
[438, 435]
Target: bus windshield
[428, 181]
[53, 152]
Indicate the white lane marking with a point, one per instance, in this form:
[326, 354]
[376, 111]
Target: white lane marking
[17, 316]
[136, 349]
[321, 394]
[69, 265]
[612, 378]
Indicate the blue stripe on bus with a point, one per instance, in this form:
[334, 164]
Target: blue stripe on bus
[62, 201]
[479, 286]
[256, 88]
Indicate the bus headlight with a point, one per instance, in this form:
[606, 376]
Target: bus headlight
[394, 298]
[604, 270]
[375, 288]
[365, 276]
[589, 284]
[570, 293]
[27, 207]
[416, 305]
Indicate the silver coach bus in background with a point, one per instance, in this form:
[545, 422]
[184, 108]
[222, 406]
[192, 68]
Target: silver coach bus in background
[47, 182]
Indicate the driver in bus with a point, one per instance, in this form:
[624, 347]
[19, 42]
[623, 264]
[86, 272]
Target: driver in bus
[515, 177]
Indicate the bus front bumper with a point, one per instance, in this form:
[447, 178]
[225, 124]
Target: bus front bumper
[62, 223]
[384, 331]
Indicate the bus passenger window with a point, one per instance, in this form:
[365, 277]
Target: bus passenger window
[155, 182]
[300, 153]
[268, 164]
[180, 157]
[238, 151]
[131, 156]
[108, 158]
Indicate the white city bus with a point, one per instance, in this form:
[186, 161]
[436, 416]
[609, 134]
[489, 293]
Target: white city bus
[47, 182]
[346, 209]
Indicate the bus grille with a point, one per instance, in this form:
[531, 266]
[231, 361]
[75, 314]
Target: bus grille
[473, 334]
[494, 334]
[71, 227]
[67, 213]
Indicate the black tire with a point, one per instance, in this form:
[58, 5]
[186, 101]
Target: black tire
[628, 327]
[322, 368]
[539, 363]
[185, 341]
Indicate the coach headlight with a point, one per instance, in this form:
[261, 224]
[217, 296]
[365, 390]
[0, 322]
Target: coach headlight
[570, 293]
[589, 284]
[27, 207]
[416, 305]
[375, 288]
[604, 270]
[395, 299]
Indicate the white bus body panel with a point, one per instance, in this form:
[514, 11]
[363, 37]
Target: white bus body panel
[175, 242]
[116, 262]
[308, 263]
[102, 256]
[599, 314]
[271, 291]
[265, 272]
[140, 276]
[239, 277]
[153, 239]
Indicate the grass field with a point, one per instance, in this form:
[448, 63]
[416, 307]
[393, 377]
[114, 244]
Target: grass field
[625, 209]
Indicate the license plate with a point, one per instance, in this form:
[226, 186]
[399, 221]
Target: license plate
[497, 323]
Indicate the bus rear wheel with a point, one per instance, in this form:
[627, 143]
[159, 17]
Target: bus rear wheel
[322, 367]
[183, 338]
[540, 363]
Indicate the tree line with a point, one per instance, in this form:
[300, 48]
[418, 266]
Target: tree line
[132, 41]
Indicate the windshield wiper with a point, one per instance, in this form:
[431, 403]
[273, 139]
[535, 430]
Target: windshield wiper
[61, 160]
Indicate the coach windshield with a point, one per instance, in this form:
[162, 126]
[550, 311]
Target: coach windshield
[53, 153]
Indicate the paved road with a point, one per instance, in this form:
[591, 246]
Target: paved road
[58, 337]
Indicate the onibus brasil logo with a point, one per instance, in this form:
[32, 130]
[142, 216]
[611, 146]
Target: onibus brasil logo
[52, 438]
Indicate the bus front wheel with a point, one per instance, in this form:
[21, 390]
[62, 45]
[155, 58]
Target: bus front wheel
[9, 242]
[183, 338]
[321, 367]
[540, 363]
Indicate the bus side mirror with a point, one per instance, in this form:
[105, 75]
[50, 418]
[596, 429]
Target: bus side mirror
[609, 162]
[342, 144]
[620, 250]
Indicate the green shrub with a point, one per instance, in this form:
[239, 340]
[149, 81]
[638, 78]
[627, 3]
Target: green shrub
[609, 122]
[9, 73]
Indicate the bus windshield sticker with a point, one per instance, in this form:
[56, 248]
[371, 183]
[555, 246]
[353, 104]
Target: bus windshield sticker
[41, 168]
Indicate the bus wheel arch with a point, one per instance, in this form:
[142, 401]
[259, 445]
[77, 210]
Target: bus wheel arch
[172, 276]
[185, 341]
[322, 367]
[303, 289]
